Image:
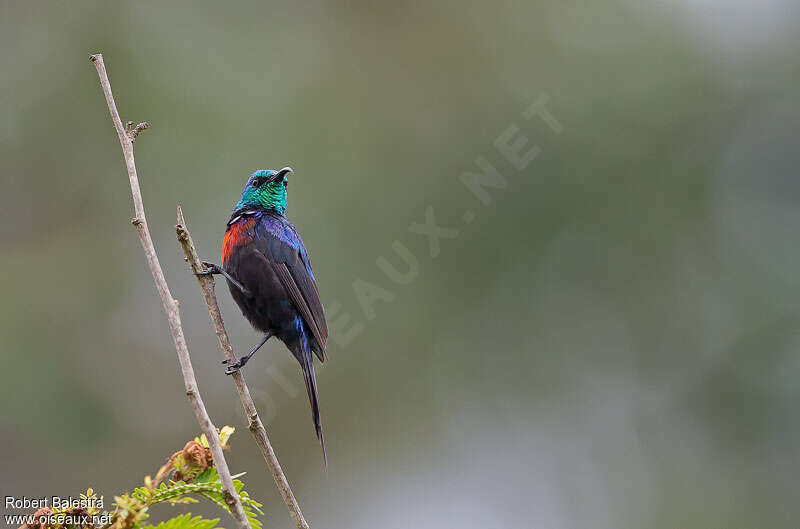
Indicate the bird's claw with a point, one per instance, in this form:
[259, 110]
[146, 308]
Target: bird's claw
[210, 269]
[236, 365]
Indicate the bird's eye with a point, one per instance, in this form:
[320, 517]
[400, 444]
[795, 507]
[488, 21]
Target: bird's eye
[257, 181]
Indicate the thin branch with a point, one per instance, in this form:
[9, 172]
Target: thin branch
[255, 425]
[126, 138]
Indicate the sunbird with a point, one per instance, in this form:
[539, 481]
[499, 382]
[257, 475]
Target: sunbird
[268, 271]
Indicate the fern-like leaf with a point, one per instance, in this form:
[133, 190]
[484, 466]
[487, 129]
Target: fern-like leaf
[185, 521]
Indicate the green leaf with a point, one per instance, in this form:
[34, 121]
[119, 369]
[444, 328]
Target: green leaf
[185, 521]
[207, 476]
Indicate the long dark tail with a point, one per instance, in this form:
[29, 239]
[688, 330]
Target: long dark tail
[307, 365]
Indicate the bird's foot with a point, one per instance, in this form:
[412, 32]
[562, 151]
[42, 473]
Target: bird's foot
[233, 367]
[236, 365]
[210, 269]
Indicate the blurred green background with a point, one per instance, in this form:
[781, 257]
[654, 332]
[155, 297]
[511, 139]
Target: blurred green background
[611, 343]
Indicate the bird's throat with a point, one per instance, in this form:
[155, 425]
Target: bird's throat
[270, 198]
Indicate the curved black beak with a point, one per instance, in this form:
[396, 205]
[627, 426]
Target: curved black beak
[283, 172]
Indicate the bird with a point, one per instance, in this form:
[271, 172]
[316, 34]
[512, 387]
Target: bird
[269, 275]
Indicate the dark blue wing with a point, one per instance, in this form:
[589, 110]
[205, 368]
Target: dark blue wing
[280, 244]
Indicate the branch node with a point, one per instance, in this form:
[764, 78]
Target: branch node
[136, 221]
[229, 499]
[133, 132]
[180, 231]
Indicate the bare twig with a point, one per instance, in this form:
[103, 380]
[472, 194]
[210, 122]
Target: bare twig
[255, 425]
[126, 138]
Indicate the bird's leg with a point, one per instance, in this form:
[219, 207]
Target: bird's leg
[236, 366]
[212, 269]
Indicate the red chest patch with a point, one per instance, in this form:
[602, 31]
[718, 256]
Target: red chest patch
[237, 234]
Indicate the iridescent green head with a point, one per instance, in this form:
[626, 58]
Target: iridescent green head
[266, 189]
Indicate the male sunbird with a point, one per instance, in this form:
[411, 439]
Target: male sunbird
[269, 275]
